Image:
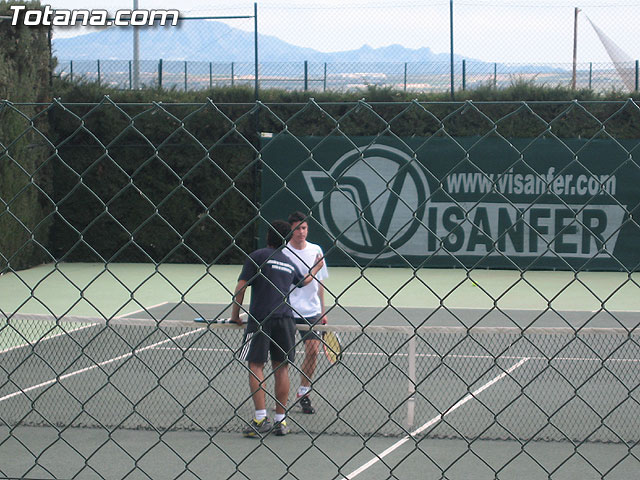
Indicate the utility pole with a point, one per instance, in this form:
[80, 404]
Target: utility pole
[255, 51]
[575, 47]
[451, 35]
[136, 52]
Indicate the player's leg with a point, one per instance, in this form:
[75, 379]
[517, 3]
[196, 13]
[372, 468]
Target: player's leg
[256, 385]
[281, 376]
[282, 352]
[307, 369]
[255, 349]
[260, 424]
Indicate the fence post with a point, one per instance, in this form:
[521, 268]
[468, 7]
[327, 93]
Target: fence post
[637, 75]
[411, 403]
[71, 69]
[98, 62]
[306, 76]
[405, 76]
[495, 76]
[324, 89]
[130, 78]
[232, 65]
[590, 73]
[210, 75]
[451, 59]
[160, 73]
[185, 75]
[464, 74]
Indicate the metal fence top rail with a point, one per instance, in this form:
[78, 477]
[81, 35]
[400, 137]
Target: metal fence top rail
[560, 65]
[107, 100]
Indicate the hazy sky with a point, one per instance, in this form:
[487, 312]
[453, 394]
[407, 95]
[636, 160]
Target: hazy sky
[516, 31]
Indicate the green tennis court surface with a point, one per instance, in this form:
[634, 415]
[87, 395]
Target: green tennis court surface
[408, 377]
[154, 394]
[117, 289]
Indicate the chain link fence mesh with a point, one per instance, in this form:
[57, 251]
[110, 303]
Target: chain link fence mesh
[182, 183]
[348, 77]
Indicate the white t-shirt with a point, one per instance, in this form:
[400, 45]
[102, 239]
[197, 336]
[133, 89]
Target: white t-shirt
[305, 301]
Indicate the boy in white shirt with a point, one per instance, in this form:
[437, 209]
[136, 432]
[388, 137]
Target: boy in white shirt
[307, 302]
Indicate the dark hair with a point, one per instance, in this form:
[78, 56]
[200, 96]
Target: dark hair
[278, 233]
[298, 217]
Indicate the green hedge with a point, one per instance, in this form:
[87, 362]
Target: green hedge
[25, 177]
[139, 182]
[176, 182]
[168, 176]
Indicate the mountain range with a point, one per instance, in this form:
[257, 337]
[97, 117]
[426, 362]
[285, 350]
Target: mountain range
[211, 41]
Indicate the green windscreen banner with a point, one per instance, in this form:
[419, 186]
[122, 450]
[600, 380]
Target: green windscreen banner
[469, 202]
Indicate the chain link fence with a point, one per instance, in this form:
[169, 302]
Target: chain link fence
[467, 186]
[322, 77]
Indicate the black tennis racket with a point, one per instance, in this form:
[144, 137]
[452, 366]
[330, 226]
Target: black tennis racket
[243, 317]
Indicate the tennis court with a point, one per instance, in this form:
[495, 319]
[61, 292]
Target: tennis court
[420, 392]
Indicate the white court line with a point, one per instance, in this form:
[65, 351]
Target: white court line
[207, 350]
[143, 309]
[16, 347]
[28, 344]
[490, 357]
[488, 309]
[603, 310]
[92, 367]
[433, 421]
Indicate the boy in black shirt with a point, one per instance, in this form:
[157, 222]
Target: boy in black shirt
[270, 328]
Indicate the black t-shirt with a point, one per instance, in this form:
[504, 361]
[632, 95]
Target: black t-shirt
[271, 276]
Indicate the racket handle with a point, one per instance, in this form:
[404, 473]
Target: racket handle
[243, 317]
[214, 320]
[229, 321]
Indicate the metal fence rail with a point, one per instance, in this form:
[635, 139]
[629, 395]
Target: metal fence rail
[511, 185]
[340, 77]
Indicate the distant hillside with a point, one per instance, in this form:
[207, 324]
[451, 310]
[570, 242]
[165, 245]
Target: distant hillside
[203, 40]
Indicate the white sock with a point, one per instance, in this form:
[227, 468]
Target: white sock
[278, 417]
[260, 414]
[302, 391]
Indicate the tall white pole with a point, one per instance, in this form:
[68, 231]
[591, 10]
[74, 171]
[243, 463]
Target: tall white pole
[136, 53]
[575, 47]
[451, 35]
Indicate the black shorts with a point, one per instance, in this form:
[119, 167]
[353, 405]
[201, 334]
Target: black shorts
[310, 334]
[275, 335]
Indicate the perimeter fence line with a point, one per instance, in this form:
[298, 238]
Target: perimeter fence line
[309, 76]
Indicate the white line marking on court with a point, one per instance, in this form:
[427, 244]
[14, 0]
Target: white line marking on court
[73, 330]
[489, 308]
[92, 367]
[603, 310]
[434, 420]
[143, 309]
[206, 350]
[10, 349]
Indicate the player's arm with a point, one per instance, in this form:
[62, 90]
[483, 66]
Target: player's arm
[323, 317]
[313, 272]
[238, 298]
